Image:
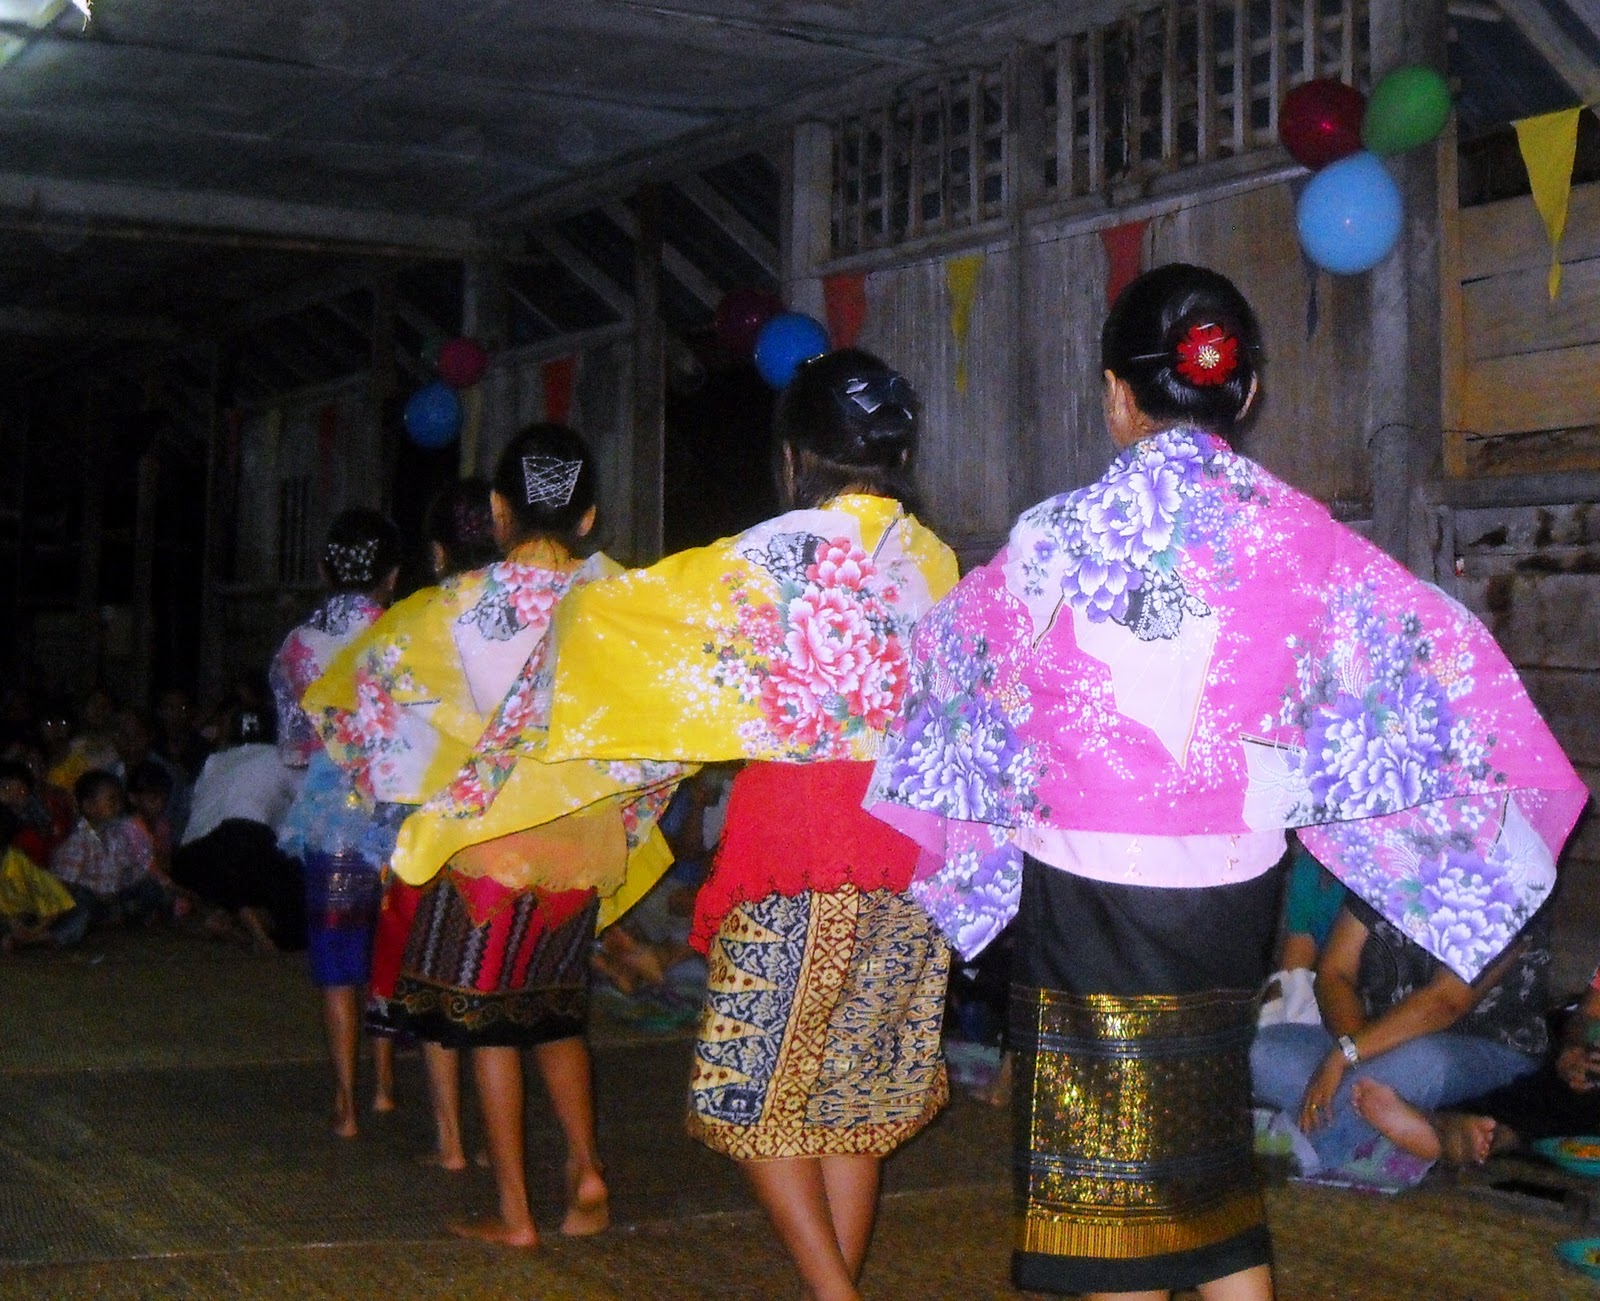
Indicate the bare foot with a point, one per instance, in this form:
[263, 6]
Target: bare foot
[344, 1125]
[383, 1102]
[998, 1091]
[1471, 1140]
[588, 1205]
[437, 1160]
[495, 1231]
[1407, 1127]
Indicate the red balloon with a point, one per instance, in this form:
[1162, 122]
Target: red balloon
[740, 316]
[1319, 122]
[462, 362]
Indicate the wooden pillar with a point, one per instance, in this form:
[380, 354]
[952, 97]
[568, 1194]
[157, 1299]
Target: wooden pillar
[144, 567]
[90, 534]
[807, 216]
[485, 308]
[382, 385]
[1405, 390]
[648, 459]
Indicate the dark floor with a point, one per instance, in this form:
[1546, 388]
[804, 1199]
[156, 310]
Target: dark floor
[161, 1104]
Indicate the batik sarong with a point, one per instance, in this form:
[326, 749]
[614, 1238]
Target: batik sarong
[820, 1031]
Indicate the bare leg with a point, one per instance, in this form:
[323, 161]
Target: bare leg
[1253, 1284]
[444, 1093]
[564, 1064]
[341, 1024]
[1126, 1296]
[792, 1191]
[1409, 1128]
[258, 926]
[383, 1065]
[851, 1183]
[498, 1073]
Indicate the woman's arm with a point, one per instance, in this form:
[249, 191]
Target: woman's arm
[1436, 1006]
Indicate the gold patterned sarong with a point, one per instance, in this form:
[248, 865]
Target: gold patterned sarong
[1135, 1117]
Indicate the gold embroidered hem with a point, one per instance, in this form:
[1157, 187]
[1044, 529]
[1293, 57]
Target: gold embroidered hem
[820, 1031]
[1136, 1120]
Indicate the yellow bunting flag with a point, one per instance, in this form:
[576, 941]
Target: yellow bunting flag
[1549, 144]
[961, 279]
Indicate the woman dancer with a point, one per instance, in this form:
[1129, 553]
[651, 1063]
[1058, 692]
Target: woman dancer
[329, 827]
[818, 1047]
[435, 709]
[1116, 719]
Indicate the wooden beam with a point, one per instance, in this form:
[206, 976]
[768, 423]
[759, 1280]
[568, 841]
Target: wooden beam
[673, 262]
[731, 222]
[312, 292]
[649, 380]
[54, 323]
[1560, 51]
[578, 265]
[55, 200]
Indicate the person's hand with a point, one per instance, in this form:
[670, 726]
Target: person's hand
[1579, 1066]
[1316, 1105]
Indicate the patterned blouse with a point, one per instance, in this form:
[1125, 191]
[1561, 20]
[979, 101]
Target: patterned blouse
[301, 660]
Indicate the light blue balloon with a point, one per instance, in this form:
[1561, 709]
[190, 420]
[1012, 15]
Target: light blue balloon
[1349, 215]
[785, 341]
[433, 415]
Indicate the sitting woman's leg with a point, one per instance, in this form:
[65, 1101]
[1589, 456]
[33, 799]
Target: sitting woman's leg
[1430, 1072]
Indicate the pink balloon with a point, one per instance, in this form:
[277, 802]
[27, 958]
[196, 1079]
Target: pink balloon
[462, 362]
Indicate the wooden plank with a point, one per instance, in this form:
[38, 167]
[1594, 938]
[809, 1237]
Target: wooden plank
[1543, 621]
[1558, 389]
[1452, 345]
[1097, 115]
[731, 222]
[1241, 75]
[1205, 103]
[1513, 313]
[1558, 453]
[1509, 236]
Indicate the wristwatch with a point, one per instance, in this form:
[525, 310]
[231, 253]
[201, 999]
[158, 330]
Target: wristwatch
[1347, 1046]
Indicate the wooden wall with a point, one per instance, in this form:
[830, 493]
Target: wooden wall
[1523, 378]
[1532, 573]
[1028, 420]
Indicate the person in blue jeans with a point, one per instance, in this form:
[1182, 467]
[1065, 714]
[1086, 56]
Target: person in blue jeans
[1394, 1015]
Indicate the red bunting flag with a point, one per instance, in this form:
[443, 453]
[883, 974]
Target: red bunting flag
[559, 378]
[1124, 247]
[845, 296]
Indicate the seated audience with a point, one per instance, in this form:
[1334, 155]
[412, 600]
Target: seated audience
[1561, 1098]
[1393, 1014]
[230, 857]
[35, 908]
[105, 863]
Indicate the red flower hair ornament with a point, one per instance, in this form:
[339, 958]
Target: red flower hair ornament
[1207, 355]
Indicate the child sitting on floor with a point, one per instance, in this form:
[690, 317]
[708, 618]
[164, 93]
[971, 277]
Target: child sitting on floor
[106, 862]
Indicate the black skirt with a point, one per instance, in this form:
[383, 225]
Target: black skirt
[1132, 1013]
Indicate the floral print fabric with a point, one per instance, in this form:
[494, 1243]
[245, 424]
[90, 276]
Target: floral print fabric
[440, 706]
[303, 658]
[1189, 646]
[785, 643]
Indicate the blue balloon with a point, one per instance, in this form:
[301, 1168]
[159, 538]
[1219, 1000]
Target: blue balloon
[785, 341]
[1349, 215]
[433, 415]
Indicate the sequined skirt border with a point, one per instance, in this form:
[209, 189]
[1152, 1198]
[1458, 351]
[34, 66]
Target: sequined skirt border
[487, 966]
[1134, 1141]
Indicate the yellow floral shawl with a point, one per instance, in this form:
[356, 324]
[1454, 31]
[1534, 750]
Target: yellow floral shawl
[787, 642]
[435, 706]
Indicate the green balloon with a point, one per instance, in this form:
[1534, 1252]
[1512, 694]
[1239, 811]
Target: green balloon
[1408, 108]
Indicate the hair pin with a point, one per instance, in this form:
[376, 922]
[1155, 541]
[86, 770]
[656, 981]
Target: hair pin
[549, 480]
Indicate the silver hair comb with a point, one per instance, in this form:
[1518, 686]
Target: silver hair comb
[549, 480]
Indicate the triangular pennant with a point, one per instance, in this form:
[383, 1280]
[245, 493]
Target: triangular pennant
[1124, 247]
[1549, 145]
[845, 295]
[559, 377]
[961, 279]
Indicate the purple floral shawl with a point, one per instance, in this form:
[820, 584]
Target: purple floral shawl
[1189, 646]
